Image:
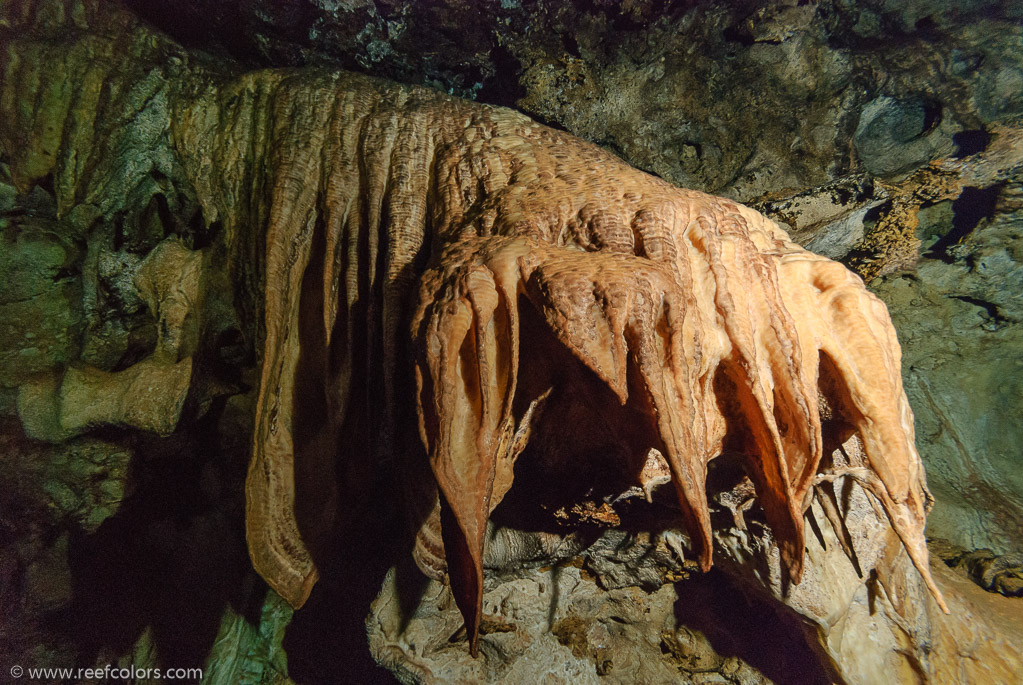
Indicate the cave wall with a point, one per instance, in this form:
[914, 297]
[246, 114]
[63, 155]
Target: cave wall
[883, 133]
[817, 113]
[741, 99]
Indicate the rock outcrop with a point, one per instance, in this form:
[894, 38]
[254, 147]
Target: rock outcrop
[189, 248]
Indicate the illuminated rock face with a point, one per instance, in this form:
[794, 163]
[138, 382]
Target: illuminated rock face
[509, 288]
[391, 259]
[704, 326]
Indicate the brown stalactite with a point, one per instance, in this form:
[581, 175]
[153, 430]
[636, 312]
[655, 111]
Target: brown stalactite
[363, 210]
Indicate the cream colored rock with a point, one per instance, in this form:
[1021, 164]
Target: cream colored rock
[870, 609]
[148, 395]
[171, 282]
[554, 626]
[861, 610]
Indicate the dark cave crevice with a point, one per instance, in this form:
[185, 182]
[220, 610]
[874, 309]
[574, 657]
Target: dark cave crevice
[171, 559]
[973, 206]
[970, 142]
[737, 623]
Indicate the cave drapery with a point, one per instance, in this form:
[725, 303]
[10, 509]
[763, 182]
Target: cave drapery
[386, 246]
[664, 294]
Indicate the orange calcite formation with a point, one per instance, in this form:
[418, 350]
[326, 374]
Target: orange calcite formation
[699, 314]
[419, 256]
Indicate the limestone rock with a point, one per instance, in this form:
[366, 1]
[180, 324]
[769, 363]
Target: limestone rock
[995, 573]
[895, 136]
[150, 394]
[83, 481]
[883, 622]
[957, 316]
[552, 625]
[251, 652]
[477, 207]
[40, 301]
[167, 143]
[860, 611]
[657, 82]
[829, 219]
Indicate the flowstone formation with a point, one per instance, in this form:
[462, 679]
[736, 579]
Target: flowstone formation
[708, 327]
[698, 310]
[574, 384]
[817, 110]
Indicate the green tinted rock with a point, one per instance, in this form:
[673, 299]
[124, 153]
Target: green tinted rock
[960, 323]
[40, 301]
